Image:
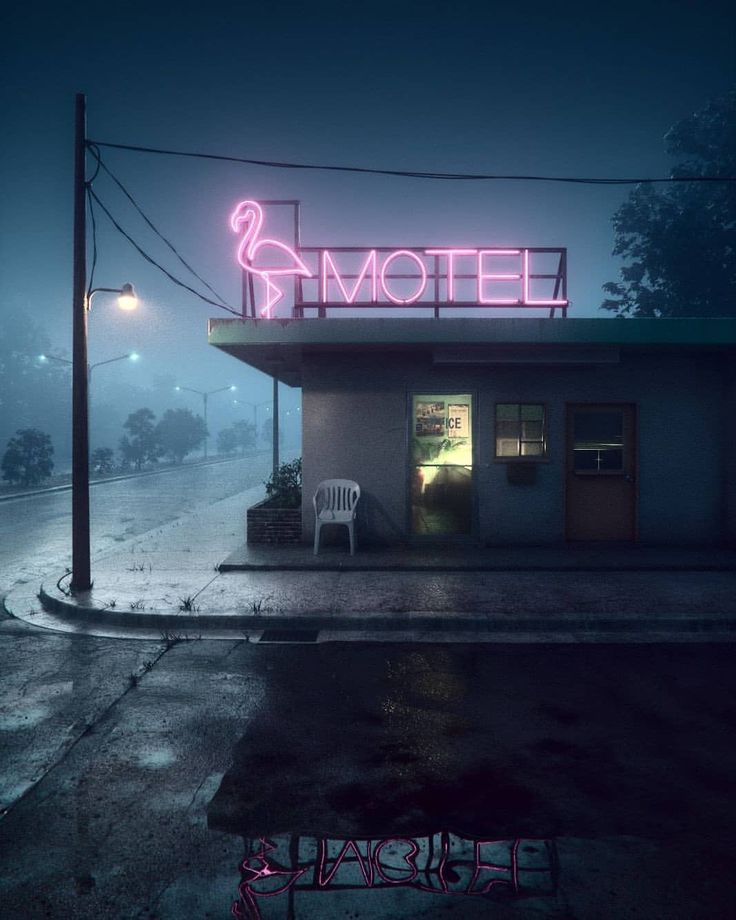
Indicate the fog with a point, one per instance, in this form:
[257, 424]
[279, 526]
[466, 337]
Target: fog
[471, 87]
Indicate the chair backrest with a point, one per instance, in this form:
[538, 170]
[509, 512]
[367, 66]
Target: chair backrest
[336, 495]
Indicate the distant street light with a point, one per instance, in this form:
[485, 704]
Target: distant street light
[131, 356]
[255, 407]
[205, 394]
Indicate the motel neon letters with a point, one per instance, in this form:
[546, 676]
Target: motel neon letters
[432, 276]
[374, 277]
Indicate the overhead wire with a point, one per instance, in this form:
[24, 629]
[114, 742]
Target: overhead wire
[410, 173]
[102, 165]
[152, 261]
[93, 221]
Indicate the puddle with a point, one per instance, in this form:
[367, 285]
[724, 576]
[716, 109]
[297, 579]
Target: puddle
[391, 876]
[156, 759]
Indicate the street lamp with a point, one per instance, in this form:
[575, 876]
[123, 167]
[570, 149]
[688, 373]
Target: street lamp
[255, 407]
[205, 394]
[131, 356]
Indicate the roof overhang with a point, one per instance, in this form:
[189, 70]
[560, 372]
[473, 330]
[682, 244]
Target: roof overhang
[278, 347]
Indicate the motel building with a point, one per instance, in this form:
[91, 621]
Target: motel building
[458, 390]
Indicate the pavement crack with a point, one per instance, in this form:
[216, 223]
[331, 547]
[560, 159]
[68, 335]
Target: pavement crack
[235, 645]
[196, 793]
[87, 727]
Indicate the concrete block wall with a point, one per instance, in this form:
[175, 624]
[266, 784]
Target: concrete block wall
[356, 426]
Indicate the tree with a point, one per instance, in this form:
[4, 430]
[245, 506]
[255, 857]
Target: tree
[227, 442]
[102, 461]
[33, 393]
[267, 431]
[245, 435]
[142, 446]
[27, 459]
[179, 432]
[680, 241]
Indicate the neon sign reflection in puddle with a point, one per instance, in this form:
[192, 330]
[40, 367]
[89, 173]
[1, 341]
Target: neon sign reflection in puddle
[398, 277]
[442, 863]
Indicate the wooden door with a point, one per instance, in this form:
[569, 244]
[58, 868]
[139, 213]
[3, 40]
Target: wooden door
[601, 490]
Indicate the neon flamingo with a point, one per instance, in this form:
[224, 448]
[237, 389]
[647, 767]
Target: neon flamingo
[247, 218]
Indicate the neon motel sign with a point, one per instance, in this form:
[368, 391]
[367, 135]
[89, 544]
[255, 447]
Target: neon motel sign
[350, 276]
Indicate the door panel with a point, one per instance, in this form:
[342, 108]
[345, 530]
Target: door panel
[601, 472]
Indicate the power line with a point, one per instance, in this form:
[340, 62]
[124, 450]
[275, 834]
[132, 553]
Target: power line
[412, 174]
[102, 165]
[156, 264]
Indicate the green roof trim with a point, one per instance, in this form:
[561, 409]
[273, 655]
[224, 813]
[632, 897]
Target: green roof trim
[708, 331]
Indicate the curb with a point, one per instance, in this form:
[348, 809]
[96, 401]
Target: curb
[413, 620]
[400, 567]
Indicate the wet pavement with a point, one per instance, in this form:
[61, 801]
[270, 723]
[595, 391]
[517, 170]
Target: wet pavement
[35, 532]
[365, 780]
[282, 774]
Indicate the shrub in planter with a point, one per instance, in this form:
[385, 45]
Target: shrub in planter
[278, 518]
[284, 487]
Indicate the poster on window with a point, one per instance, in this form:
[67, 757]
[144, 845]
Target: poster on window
[458, 421]
[429, 419]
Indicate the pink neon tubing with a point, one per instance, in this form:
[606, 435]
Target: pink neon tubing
[423, 276]
[250, 213]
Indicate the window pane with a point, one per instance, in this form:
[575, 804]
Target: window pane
[520, 430]
[593, 459]
[611, 459]
[585, 459]
[507, 447]
[507, 430]
[601, 427]
[599, 439]
[531, 431]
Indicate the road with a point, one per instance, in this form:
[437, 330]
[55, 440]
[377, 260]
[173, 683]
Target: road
[35, 532]
[138, 776]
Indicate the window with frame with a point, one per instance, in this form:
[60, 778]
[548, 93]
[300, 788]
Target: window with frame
[520, 431]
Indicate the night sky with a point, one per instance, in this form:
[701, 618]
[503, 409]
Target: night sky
[566, 89]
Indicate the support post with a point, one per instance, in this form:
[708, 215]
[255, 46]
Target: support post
[275, 421]
[81, 575]
[206, 431]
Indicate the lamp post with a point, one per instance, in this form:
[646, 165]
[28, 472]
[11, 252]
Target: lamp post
[81, 303]
[255, 407]
[131, 356]
[205, 394]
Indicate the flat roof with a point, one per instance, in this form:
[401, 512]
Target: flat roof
[277, 346]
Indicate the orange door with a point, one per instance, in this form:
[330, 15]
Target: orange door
[601, 472]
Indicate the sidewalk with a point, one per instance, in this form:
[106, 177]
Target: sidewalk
[184, 579]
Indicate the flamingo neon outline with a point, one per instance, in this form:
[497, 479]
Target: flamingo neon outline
[247, 218]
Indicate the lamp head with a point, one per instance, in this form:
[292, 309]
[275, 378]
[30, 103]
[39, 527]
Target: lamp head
[127, 300]
[134, 356]
[233, 388]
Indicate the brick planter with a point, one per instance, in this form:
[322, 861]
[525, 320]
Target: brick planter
[273, 525]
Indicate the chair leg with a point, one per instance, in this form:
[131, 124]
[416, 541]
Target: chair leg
[316, 538]
[351, 531]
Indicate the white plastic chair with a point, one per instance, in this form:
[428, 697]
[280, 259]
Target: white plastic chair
[335, 502]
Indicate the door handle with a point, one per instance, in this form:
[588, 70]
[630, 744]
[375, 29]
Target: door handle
[629, 478]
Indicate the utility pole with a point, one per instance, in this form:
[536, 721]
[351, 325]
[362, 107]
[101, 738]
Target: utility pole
[81, 575]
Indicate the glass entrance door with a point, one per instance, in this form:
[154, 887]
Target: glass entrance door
[441, 465]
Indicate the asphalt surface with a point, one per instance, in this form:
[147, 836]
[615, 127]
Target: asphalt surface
[137, 777]
[35, 531]
[152, 778]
